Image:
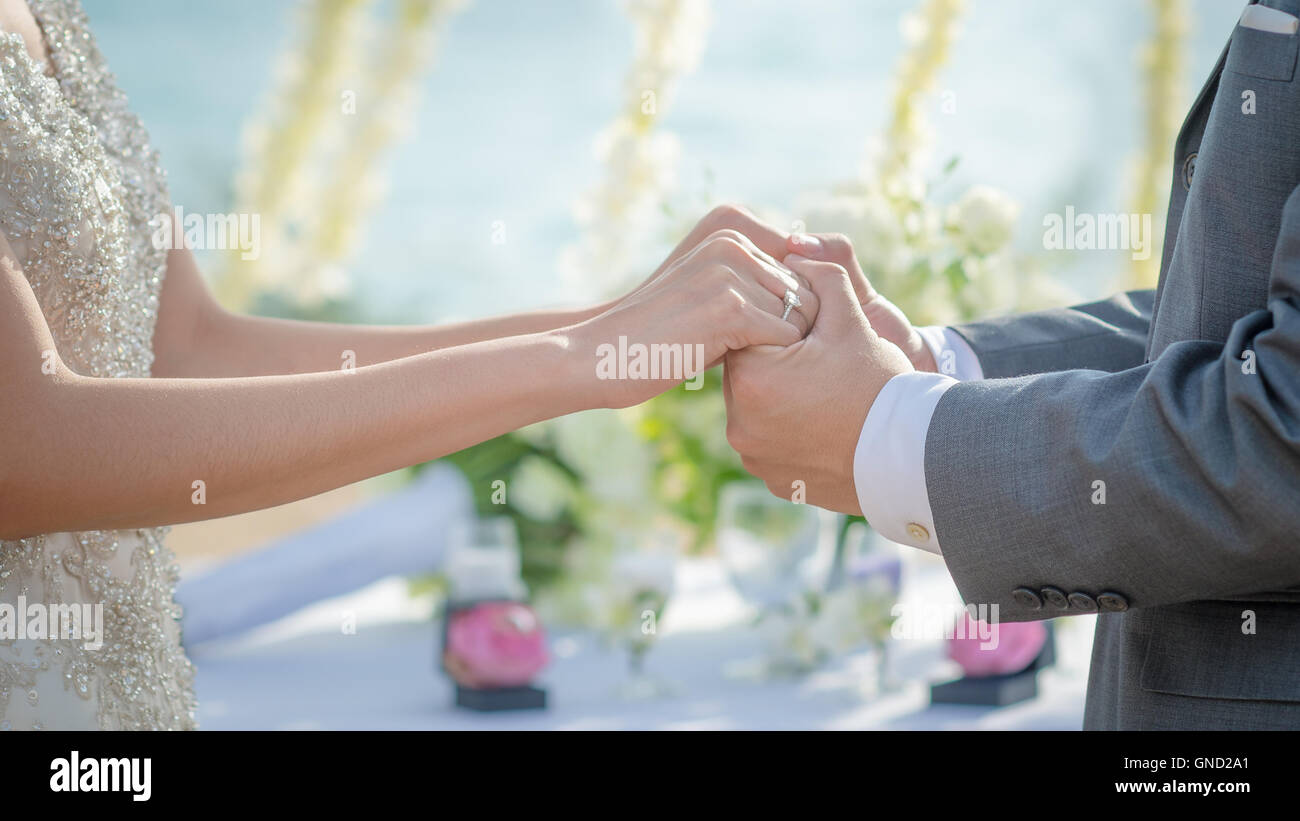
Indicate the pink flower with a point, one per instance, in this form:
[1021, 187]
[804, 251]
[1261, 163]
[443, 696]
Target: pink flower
[989, 650]
[495, 644]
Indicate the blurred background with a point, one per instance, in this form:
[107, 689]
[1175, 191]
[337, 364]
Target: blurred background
[417, 162]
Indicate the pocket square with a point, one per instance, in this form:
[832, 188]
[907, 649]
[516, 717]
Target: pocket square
[1263, 18]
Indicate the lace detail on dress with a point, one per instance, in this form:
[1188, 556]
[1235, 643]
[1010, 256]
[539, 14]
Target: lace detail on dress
[80, 195]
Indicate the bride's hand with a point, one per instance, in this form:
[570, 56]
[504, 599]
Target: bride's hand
[722, 295]
[768, 239]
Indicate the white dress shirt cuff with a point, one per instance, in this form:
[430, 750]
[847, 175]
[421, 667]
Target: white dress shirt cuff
[889, 463]
[951, 353]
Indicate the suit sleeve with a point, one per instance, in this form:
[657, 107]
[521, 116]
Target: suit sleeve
[1197, 454]
[1109, 335]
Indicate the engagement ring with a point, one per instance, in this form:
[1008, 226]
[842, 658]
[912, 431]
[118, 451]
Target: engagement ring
[791, 302]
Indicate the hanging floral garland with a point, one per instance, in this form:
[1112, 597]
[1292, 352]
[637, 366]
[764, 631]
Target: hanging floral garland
[905, 140]
[617, 217]
[340, 98]
[1162, 62]
[391, 92]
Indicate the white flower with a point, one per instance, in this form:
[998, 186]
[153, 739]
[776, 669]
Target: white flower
[984, 219]
[539, 489]
[670, 34]
[614, 462]
[863, 216]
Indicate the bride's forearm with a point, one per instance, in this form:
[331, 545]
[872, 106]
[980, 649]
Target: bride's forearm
[229, 344]
[195, 337]
[131, 450]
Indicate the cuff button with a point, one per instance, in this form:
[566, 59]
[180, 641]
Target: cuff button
[1083, 602]
[1027, 598]
[918, 532]
[1112, 603]
[1055, 597]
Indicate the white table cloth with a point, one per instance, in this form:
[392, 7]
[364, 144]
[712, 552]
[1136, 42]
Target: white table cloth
[306, 672]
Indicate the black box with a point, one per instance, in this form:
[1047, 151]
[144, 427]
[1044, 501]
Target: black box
[1001, 690]
[501, 698]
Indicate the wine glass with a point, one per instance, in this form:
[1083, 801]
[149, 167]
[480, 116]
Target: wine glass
[775, 553]
[873, 577]
[640, 583]
[483, 561]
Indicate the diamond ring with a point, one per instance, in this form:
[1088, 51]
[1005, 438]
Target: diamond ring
[791, 302]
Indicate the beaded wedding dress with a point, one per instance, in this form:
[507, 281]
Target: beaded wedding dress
[79, 188]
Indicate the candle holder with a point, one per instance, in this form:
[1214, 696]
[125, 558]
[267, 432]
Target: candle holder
[492, 645]
[999, 689]
[499, 692]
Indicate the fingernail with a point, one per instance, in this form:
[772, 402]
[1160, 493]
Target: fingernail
[806, 241]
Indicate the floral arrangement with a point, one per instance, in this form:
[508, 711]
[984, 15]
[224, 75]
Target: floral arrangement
[1018, 644]
[816, 625]
[495, 644]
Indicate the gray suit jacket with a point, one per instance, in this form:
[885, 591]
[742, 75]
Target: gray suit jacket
[1193, 561]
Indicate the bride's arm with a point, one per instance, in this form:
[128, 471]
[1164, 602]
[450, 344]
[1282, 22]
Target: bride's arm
[83, 453]
[196, 337]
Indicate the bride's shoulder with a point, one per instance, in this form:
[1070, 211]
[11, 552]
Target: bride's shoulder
[21, 34]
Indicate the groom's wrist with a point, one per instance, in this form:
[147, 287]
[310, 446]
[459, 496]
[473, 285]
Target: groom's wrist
[921, 354]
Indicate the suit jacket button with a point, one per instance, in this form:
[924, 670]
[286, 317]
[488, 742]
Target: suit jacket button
[1112, 603]
[1084, 602]
[1055, 597]
[1027, 598]
[1189, 169]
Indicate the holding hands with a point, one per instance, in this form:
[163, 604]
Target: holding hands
[794, 413]
[719, 291]
[808, 345]
[885, 317]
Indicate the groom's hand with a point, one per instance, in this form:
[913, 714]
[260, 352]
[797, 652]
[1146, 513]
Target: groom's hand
[795, 413]
[884, 316]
